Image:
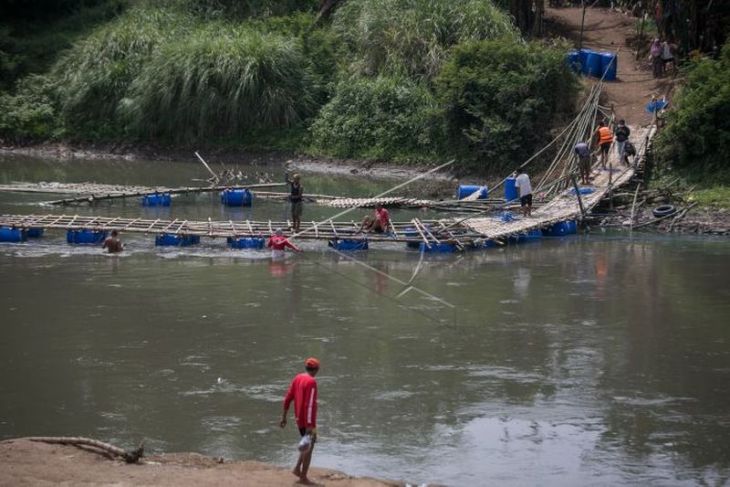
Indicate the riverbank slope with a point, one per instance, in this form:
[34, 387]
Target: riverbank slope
[27, 463]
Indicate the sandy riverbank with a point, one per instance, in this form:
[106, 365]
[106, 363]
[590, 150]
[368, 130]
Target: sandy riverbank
[27, 463]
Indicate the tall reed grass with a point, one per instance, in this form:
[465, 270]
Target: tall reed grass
[95, 75]
[412, 37]
[219, 81]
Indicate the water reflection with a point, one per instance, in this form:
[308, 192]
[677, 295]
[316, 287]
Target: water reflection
[587, 360]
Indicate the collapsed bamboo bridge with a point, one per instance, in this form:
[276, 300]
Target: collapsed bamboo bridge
[559, 200]
[463, 233]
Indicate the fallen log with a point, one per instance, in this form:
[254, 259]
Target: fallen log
[129, 456]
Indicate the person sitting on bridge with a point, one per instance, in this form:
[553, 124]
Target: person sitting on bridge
[379, 222]
[604, 137]
[278, 243]
[113, 244]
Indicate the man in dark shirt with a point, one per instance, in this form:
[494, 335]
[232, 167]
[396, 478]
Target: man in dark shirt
[584, 161]
[622, 133]
[296, 197]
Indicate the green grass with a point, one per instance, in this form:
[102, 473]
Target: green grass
[718, 197]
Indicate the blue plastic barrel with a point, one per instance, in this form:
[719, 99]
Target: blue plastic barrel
[609, 65]
[14, 235]
[583, 59]
[573, 61]
[172, 240]
[246, 242]
[157, 199]
[412, 232]
[560, 229]
[443, 248]
[469, 189]
[511, 192]
[35, 232]
[236, 197]
[85, 236]
[348, 244]
[593, 64]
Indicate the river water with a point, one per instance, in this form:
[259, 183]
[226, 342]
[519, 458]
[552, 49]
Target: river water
[600, 359]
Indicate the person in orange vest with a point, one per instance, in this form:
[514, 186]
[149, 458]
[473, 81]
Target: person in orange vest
[605, 139]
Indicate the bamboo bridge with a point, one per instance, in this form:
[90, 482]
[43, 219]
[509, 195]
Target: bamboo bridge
[559, 201]
[469, 232]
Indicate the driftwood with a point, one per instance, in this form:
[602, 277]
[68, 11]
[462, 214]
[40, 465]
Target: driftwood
[657, 220]
[680, 215]
[129, 456]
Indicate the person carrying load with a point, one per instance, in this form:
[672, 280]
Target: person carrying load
[604, 136]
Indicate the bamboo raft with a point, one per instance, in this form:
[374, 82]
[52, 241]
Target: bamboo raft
[93, 192]
[463, 233]
[413, 231]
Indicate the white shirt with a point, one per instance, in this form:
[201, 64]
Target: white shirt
[523, 182]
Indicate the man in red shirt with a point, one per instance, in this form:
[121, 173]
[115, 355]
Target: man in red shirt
[278, 243]
[303, 391]
[378, 223]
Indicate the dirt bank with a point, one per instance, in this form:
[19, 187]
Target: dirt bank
[26, 463]
[610, 30]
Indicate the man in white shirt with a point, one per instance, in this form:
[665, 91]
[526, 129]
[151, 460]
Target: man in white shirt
[523, 184]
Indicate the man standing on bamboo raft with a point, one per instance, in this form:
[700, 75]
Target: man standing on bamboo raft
[303, 391]
[522, 182]
[296, 199]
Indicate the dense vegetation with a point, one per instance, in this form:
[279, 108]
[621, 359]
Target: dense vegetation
[696, 140]
[385, 79]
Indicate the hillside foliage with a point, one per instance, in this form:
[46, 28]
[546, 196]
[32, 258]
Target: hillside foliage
[696, 139]
[408, 80]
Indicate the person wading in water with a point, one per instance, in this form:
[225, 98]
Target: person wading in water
[278, 243]
[303, 391]
[296, 198]
[113, 244]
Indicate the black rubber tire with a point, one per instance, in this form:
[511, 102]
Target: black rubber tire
[664, 210]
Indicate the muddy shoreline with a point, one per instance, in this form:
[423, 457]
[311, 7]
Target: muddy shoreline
[323, 165]
[27, 463]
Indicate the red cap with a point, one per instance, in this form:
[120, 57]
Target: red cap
[311, 363]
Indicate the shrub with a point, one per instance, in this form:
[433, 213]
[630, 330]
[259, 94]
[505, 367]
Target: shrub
[221, 9]
[500, 98]
[696, 139]
[29, 114]
[412, 37]
[220, 81]
[383, 117]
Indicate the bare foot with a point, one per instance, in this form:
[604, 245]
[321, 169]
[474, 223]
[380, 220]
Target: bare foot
[297, 472]
[304, 480]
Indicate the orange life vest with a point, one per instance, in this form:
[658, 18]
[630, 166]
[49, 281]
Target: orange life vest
[605, 136]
